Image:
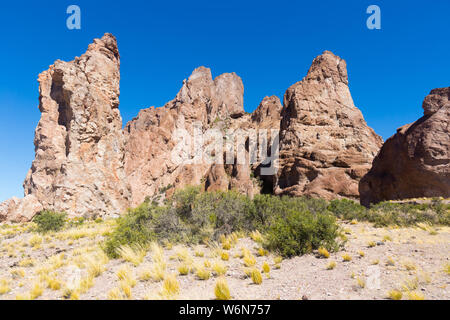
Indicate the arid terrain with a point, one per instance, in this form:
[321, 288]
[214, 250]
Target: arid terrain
[70, 264]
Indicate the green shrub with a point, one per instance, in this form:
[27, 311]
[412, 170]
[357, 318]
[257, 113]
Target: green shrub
[391, 213]
[49, 221]
[299, 232]
[347, 209]
[132, 228]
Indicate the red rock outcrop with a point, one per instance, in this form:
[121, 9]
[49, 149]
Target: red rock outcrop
[79, 142]
[326, 146]
[415, 162]
[86, 164]
[201, 102]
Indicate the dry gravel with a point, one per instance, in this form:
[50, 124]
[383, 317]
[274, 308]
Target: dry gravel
[423, 252]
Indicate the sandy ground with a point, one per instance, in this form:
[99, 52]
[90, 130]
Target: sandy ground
[410, 260]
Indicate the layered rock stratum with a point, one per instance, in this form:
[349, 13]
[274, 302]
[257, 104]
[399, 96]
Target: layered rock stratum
[86, 164]
[326, 146]
[415, 162]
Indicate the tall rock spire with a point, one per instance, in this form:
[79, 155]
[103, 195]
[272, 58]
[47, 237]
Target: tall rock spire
[325, 144]
[79, 142]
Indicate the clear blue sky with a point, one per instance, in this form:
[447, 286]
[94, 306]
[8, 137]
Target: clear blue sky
[270, 44]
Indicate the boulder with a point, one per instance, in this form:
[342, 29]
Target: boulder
[415, 162]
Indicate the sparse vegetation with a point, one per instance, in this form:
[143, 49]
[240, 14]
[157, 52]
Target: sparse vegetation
[49, 221]
[331, 265]
[256, 276]
[221, 290]
[398, 214]
[323, 252]
[346, 257]
[290, 226]
[395, 295]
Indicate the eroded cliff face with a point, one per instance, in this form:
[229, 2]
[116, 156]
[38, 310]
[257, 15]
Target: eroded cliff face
[415, 162]
[326, 146]
[87, 165]
[79, 163]
[202, 104]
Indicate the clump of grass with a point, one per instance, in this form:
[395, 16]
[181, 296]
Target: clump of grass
[199, 253]
[278, 260]
[361, 283]
[331, 265]
[4, 286]
[202, 273]
[346, 258]
[395, 295]
[390, 262]
[249, 259]
[226, 244]
[184, 255]
[18, 273]
[35, 241]
[256, 236]
[126, 289]
[225, 256]
[53, 283]
[158, 272]
[221, 290]
[323, 252]
[207, 264]
[183, 269]
[413, 295]
[115, 294]
[219, 268]
[411, 284]
[27, 262]
[387, 238]
[36, 291]
[256, 276]
[134, 254]
[266, 268]
[96, 266]
[85, 284]
[447, 268]
[170, 286]
[375, 262]
[126, 274]
[262, 252]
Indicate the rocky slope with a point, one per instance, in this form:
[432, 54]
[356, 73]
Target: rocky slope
[415, 162]
[325, 144]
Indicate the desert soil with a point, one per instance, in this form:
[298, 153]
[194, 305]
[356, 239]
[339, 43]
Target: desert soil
[411, 260]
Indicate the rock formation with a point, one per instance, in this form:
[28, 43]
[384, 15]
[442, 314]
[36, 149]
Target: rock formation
[326, 146]
[79, 142]
[86, 164]
[415, 162]
[201, 102]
